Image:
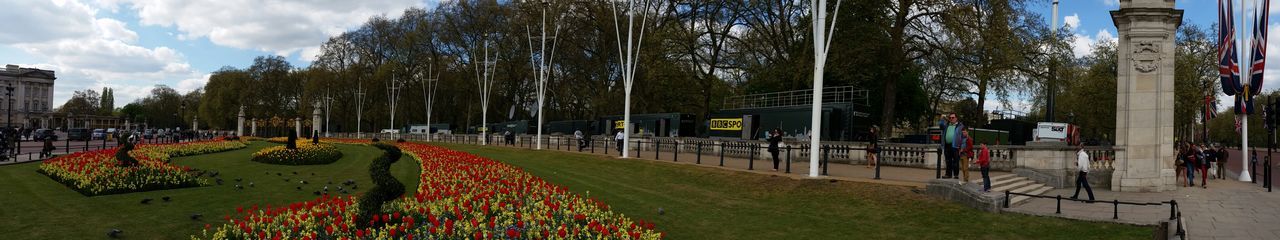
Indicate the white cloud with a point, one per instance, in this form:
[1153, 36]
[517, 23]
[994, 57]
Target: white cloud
[87, 52]
[281, 27]
[1071, 22]
[1082, 45]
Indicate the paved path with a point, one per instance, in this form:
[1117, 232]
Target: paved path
[1227, 209]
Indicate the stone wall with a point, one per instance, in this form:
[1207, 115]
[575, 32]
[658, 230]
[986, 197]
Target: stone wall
[967, 195]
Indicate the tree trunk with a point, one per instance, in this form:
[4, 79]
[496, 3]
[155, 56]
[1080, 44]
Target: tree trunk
[897, 64]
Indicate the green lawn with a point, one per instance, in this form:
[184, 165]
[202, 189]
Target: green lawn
[34, 207]
[708, 203]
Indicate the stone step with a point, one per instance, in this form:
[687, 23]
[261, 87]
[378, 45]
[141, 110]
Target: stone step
[1010, 184]
[997, 178]
[1019, 199]
[1007, 180]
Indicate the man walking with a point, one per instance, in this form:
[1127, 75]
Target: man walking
[582, 143]
[617, 137]
[952, 140]
[1222, 162]
[1082, 179]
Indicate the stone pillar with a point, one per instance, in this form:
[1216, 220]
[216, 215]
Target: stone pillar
[1144, 95]
[253, 127]
[240, 122]
[297, 126]
[315, 120]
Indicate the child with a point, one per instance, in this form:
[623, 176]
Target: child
[984, 163]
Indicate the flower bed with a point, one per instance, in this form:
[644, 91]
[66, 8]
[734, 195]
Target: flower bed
[98, 172]
[307, 153]
[460, 196]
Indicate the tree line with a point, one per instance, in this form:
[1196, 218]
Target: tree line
[918, 58]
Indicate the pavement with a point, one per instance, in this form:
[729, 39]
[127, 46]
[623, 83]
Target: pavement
[1226, 209]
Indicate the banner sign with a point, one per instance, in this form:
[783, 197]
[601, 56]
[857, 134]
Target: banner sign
[726, 124]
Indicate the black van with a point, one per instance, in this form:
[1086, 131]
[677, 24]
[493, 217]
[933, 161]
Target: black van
[78, 134]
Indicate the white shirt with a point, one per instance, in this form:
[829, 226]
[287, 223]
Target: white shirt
[1082, 161]
[617, 136]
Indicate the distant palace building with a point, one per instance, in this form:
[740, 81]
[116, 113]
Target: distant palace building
[32, 95]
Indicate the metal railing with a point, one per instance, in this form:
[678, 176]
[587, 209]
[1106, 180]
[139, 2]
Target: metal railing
[1003, 157]
[1175, 213]
[839, 94]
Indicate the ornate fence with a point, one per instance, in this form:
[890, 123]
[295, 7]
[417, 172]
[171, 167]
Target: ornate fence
[1003, 157]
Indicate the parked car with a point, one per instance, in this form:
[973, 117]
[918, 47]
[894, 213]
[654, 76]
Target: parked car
[99, 134]
[43, 133]
[149, 134]
[78, 134]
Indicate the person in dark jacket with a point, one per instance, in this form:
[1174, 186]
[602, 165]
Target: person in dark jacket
[775, 138]
[47, 151]
[1222, 162]
[952, 141]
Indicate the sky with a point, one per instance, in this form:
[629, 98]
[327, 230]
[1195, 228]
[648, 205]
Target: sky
[1090, 21]
[133, 45]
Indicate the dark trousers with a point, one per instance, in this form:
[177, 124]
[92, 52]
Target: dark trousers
[953, 162]
[986, 178]
[1082, 180]
[619, 147]
[1204, 174]
[775, 158]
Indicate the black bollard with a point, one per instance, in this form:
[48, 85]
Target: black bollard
[751, 158]
[1059, 208]
[788, 158]
[699, 155]
[675, 154]
[657, 149]
[878, 164]
[1115, 210]
[721, 154]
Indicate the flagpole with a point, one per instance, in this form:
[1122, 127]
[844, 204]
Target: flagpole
[1246, 79]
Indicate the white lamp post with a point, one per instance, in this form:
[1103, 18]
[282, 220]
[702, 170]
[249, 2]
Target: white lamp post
[540, 63]
[484, 79]
[429, 85]
[821, 43]
[628, 54]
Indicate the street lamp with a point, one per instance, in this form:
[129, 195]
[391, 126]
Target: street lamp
[9, 98]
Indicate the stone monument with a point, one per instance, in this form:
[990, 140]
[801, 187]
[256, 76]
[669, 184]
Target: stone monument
[1144, 95]
[240, 122]
[315, 120]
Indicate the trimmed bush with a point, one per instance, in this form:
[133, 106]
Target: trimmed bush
[305, 154]
[386, 187]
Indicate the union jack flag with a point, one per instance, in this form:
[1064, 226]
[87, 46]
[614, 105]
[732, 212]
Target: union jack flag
[1259, 55]
[1228, 68]
[1210, 108]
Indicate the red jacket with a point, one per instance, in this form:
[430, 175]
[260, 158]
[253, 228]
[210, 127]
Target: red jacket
[984, 157]
[968, 148]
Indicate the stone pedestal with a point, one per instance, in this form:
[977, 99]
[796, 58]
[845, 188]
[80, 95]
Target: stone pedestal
[1144, 95]
[240, 122]
[297, 127]
[253, 127]
[315, 121]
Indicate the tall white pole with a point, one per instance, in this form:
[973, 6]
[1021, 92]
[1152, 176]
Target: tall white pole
[628, 59]
[485, 83]
[1248, 74]
[821, 43]
[540, 62]
[428, 84]
[359, 107]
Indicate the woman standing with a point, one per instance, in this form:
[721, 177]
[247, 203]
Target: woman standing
[1180, 161]
[775, 137]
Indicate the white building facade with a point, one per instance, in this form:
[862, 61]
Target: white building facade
[32, 95]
